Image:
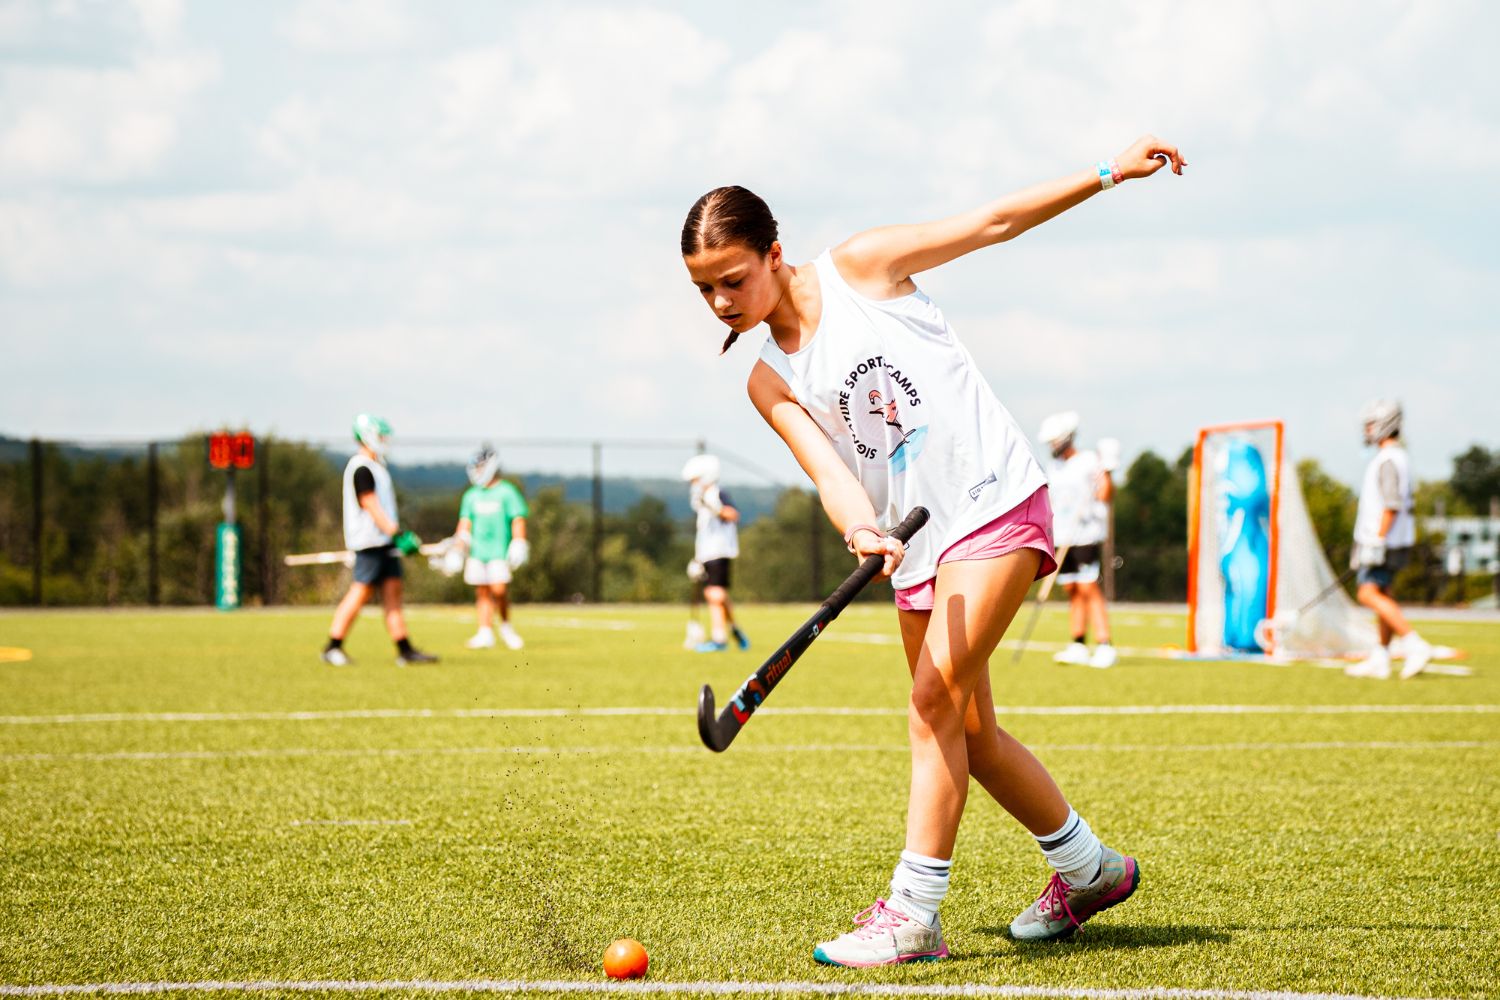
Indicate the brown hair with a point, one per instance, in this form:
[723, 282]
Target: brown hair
[727, 216]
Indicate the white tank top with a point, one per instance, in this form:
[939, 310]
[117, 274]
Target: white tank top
[1079, 517]
[359, 527]
[716, 538]
[1403, 533]
[910, 414]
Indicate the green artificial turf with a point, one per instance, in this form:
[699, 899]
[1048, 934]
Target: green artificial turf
[1314, 852]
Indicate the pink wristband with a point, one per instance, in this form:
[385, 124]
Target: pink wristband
[1114, 172]
[849, 535]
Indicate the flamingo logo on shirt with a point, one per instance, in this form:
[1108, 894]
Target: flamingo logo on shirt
[888, 427]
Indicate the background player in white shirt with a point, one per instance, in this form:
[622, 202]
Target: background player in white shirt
[372, 533]
[1082, 488]
[715, 544]
[1384, 532]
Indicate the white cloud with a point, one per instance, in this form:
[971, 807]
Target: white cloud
[500, 189]
[95, 125]
[351, 26]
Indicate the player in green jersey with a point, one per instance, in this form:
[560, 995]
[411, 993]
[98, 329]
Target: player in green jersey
[492, 525]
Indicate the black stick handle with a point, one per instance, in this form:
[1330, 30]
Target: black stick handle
[870, 568]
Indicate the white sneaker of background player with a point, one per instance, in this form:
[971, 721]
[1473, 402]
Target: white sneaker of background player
[1376, 666]
[483, 639]
[1418, 653]
[508, 634]
[1104, 656]
[1075, 652]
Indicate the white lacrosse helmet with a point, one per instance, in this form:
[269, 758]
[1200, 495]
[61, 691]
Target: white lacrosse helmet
[1058, 430]
[372, 432]
[1381, 419]
[701, 468]
[483, 466]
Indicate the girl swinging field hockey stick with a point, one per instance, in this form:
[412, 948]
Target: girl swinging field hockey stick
[851, 324]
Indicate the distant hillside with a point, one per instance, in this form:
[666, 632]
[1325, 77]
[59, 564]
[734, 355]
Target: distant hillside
[620, 493]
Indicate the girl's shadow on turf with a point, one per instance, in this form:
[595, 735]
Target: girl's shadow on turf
[1116, 936]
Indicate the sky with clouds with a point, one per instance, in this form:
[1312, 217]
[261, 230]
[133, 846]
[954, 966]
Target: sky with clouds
[464, 216]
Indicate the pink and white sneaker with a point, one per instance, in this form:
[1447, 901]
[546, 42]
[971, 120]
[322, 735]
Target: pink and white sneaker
[884, 937]
[1061, 908]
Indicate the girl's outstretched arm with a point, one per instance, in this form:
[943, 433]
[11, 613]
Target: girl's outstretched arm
[880, 262]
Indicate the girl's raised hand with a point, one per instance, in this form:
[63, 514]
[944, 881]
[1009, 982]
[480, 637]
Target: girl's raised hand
[1147, 155]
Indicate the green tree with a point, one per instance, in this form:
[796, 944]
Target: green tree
[1151, 528]
[1330, 507]
[1476, 479]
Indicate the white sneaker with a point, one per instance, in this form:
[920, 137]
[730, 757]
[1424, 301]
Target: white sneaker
[511, 639]
[884, 937]
[1104, 656]
[336, 657]
[483, 639]
[1418, 653]
[1075, 652]
[1376, 666]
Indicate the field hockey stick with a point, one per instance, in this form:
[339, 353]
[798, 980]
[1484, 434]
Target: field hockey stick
[718, 733]
[1043, 592]
[346, 557]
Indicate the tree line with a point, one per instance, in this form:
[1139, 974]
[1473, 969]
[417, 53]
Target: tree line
[96, 532]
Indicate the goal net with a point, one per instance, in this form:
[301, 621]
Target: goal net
[1254, 561]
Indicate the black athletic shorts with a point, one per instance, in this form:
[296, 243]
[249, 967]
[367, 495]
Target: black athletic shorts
[1078, 557]
[718, 573]
[372, 566]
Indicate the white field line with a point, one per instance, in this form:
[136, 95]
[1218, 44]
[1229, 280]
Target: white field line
[350, 822]
[263, 753]
[641, 711]
[712, 988]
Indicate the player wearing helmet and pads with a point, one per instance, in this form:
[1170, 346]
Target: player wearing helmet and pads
[716, 542]
[1081, 487]
[372, 533]
[1384, 532]
[850, 333]
[492, 526]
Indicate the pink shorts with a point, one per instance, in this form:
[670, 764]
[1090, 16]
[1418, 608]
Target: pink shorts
[1028, 525]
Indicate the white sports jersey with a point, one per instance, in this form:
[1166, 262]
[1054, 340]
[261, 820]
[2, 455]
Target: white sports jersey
[359, 527]
[909, 413]
[717, 538]
[1403, 533]
[1079, 517]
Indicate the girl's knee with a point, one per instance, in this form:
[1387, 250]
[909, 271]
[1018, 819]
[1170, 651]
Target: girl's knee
[934, 709]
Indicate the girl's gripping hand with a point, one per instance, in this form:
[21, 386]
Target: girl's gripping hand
[1147, 155]
[867, 543]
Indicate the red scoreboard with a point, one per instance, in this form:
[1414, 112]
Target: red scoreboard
[231, 451]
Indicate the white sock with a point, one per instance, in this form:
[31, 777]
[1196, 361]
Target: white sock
[1073, 851]
[919, 885]
[1381, 654]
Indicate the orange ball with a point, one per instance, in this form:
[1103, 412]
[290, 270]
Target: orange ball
[625, 959]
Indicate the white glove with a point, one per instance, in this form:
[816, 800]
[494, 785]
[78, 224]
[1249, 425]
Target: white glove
[1109, 454]
[696, 572]
[449, 561]
[1372, 554]
[517, 553]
